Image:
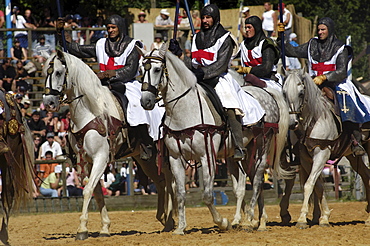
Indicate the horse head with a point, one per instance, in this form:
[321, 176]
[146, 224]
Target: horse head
[153, 71]
[293, 90]
[56, 72]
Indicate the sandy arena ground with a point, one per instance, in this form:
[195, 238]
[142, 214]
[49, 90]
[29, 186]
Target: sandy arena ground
[141, 228]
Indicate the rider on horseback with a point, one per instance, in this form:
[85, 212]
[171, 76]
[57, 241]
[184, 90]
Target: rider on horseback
[328, 61]
[211, 53]
[118, 62]
[259, 56]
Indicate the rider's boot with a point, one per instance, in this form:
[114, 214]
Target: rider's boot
[237, 135]
[356, 147]
[146, 144]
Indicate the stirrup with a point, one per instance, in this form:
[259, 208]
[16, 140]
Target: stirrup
[145, 152]
[239, 154]
[358, 150]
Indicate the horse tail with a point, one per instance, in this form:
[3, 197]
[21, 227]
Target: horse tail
[281, 136]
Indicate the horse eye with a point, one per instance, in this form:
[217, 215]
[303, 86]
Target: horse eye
[157, 70]
[58, 73]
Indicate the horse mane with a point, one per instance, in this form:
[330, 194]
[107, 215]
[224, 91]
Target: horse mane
[178, 71]
[94, 93]
[316, 104]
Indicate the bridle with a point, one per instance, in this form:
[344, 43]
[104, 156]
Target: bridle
[54, 92]
[147, 86]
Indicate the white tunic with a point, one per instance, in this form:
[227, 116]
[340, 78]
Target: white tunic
[136, 114]
[228, 90]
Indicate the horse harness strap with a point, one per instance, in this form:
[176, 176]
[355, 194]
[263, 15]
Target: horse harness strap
[97, 124]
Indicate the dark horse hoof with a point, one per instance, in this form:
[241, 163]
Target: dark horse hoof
[82, 235]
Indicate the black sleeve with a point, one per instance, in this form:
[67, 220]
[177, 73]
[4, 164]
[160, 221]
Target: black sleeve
[300, 51]
[82, 51]
[223, 59]
[341, 68]
[265, 69]
[129, 71]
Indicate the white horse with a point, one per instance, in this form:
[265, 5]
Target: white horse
[316, 124]
[99, 133]
[194, 130]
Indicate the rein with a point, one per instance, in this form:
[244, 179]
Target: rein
[50, 91]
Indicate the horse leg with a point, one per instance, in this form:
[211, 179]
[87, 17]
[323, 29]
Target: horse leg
[238, 179]
[359, 166]
[320, 157]
[164, 209]
[262, 213]
[284, 203]
[179, 174]
[208, 198]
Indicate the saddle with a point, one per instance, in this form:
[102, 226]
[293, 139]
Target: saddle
[214, 100]
[329, 94]
[122, 99]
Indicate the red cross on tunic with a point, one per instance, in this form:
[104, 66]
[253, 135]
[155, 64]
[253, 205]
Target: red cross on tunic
[320, 68]
[199, 54]
[252, 61]
[110, 65]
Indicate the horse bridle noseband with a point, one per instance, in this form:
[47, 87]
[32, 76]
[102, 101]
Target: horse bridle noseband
[147, 86]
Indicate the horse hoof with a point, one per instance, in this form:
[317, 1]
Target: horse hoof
[325, 225]
[301, 225]
[285, 219]
[169, 226]
[225, 225]
[248, 229]
[237, 227]
[178, 232]
[82, 235]
[367, 223]
[104, 235]
[262, 229]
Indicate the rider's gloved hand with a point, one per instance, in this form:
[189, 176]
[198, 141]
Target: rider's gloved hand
[280, 27]
[110, 73]
[199, 73]
[244, 70]
[319, 79]
[60, 25]
[101, 75]
[174, 47]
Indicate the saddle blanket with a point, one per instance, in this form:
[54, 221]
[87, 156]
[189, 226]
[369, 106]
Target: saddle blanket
[270, 83]
[137, 115]
[354, 106]
[233, 96]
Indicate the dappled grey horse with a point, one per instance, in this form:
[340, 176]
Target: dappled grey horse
[194, 130]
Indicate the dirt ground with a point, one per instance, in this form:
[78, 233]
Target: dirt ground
[141, 228]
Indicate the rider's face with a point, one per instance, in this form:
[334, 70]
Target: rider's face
[322, 31]
[113, 31]
[207, 21]
[249, 30]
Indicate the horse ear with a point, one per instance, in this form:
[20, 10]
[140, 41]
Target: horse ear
[140, 50]
[163, 50]
[60, 55]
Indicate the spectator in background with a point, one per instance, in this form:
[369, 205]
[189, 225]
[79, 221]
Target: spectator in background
[72, 182]
[18, 53]
[18, 98]
[52, 183]
[246, 14]
[116, 186]
[48, 21]
[20, 76]
[26, 110]
[196, 20]
[287, 20]
[294, 62]
[269, 20]
[7, 75]
[70, 23]
[20, 22]
[86, 22]
[76, 35]
[30, 19]
[36, 145]
[47, 168]
[41, 52]
[163, 20]
[50, 145]
[49, 121]
[96, 35]
[2, 22]
[157, 42]
[36, 125]
[141, 18]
